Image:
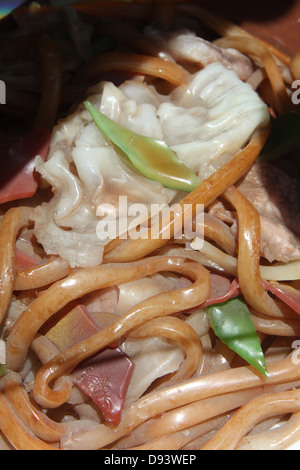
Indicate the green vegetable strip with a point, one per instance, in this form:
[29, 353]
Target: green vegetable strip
[232, 324]
[3, 370]
[152, 158]
[284, 137]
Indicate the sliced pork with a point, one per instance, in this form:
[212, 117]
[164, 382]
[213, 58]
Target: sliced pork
[186, 46]
[276, 197]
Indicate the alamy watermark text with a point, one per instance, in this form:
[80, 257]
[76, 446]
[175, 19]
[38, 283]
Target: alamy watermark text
[153, 221]
[296, 93]
[2, 92]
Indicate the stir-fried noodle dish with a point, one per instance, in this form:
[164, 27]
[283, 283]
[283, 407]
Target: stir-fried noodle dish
[150, 236]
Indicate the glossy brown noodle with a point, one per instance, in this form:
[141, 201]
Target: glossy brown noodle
[13, 221]
[254, 48]
[249, 255]
[205, 194]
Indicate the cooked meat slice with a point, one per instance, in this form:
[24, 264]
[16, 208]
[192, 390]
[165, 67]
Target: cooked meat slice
[278, 242]
[274, 194]
[276, 197]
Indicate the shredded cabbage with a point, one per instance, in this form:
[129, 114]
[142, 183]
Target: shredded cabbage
[206, 122]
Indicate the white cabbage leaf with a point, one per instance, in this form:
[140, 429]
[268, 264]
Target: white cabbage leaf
[205, 121]
[134, 292]
[152, 357]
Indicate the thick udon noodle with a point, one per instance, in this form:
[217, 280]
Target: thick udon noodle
[212, 401]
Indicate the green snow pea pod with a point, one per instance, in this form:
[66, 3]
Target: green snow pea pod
[153, 158]
[284, 137]
[232, 324]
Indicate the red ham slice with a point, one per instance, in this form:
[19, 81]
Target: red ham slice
[25, 260]
[287, 294]
[104, 377]
[18, 178]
